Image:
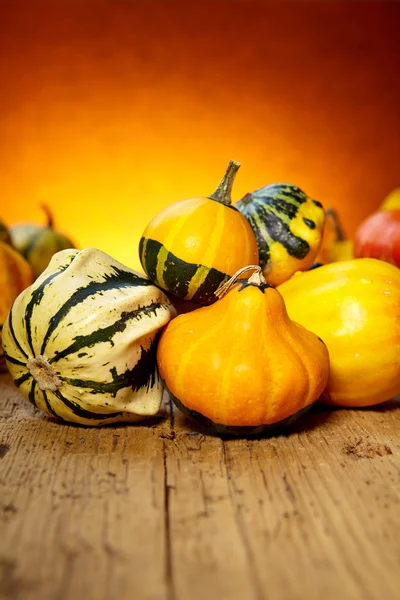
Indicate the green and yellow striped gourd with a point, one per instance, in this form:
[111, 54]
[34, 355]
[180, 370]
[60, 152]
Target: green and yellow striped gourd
[80, 343]
[288, 226]
[193, 246]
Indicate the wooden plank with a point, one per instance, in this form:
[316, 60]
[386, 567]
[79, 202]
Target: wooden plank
[208, 557]
[160, 513]
[319, 522]
[82, 509]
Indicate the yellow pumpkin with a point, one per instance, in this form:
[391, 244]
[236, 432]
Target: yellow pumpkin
[354, 306]
[241, 366]
[15, 276]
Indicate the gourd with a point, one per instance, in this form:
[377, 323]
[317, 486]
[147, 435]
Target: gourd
[354, 306]
[80, 343]
[288, 226]
[379, 237]
[15, 276]
[392, 200]
[193, 246]
[38, 244]
[335, 245]
[241, 366]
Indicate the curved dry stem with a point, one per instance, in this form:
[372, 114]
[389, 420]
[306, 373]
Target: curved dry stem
[257, 277]
[49, 215]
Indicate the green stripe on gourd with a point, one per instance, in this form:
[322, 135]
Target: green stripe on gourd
[49, 407]
[31, 394]
[80, 343]
[270, 213]
[106, 334]
[15, 341]
[186, 280]
[37, 296]
[117, 281]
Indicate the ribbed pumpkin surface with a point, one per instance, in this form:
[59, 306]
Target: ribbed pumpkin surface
[80, 343]
[241, 363]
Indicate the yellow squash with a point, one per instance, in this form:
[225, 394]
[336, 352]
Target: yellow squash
[354, 306]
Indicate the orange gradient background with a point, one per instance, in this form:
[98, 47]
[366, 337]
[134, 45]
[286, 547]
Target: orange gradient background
[109, 111]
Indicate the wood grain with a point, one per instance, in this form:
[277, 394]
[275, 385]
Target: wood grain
[163, 512]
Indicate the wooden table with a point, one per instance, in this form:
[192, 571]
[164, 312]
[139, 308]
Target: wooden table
[162, 512]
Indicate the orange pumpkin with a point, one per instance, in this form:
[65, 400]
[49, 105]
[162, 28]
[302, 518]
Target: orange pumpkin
[241, 366]
[15, 276]
[192, 246]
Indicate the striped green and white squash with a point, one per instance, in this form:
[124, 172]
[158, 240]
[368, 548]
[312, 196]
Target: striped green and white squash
[80, 343]
[288, 226]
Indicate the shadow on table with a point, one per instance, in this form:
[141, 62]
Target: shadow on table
[318, 415]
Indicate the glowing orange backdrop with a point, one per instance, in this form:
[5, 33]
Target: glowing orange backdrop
[111, 110]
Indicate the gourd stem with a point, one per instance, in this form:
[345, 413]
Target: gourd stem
[49, 215]
[43, 373]
[257, 277]
[338, 226]
[223, 192]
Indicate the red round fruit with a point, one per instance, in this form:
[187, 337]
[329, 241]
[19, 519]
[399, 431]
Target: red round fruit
[379, 237]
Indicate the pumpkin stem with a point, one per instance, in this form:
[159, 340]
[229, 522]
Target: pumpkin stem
[223, 192]
[340, 235]
[257, 278]
[43, 373]
[49, 215]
